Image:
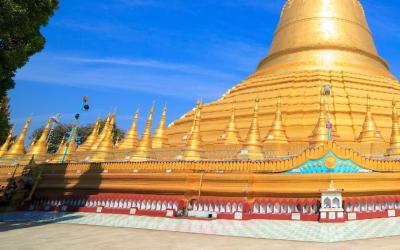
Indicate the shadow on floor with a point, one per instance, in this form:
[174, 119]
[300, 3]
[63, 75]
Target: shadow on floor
[12, 221]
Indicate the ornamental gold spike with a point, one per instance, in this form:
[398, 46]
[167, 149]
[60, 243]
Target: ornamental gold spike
[231, 134]
[100, 137]
[107, 143]
[394, 149]
[160, 139]
[277, 133]
[6, 145]
[144, 148]
[18, 148]
[320, 133]
[193, 151]
[130, 140]
[369, 132]
[62, 149]
[40, 146]
[252, 147]
[91, 139]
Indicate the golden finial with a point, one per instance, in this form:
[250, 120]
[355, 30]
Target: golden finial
[100, 137]
[144, 148]
[6, 145]
[40, 146]
[90, 140]
[277, 133]
[59, 155]
[193, 150]
[160, 139]
[252, 147]
[18, 147]
[107, 143]
[130, 140]
[369, 132]
[320, 132]
[231, 134]
[394, 149]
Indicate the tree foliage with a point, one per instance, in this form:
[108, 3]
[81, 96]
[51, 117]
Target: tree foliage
[4, 119]
[20, 38]
[59, 132]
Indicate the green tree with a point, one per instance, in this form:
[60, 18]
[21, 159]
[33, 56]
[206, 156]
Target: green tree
[20, 38]
[62, 131]
[4, 119]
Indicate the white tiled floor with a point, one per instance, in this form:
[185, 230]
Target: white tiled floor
[267, 229]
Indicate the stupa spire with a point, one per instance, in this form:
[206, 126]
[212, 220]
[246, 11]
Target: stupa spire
[4, 148]
[394, 149]
[107, 143]
[90, 140]
[193, 150]
[320, 133]
[231, 134]
[131, 138]
[40, 146]
[160, 139]
[59, 155]
[144, 147]
[18, 147]
[369, 132]
[277, 133]
[100, 137]
[253, 147]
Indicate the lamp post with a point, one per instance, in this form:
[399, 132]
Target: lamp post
[85, 108]
[327, 92]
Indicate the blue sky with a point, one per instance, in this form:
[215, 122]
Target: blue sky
[128, 53]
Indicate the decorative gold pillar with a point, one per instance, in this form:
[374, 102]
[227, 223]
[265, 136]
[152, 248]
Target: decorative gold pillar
[130, 140]
[231, 134]
[143, 151]
[394, 149]
[100, 137]
[58, 156]
[18, 147]
[104, 150]
[160, 139]
[320, 132]
[39, 148]
[277, 133]
[253, 148]
[193, 151]
[6, 145]
[91, 139]
[370, 133]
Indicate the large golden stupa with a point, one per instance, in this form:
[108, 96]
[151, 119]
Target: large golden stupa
[312, 134]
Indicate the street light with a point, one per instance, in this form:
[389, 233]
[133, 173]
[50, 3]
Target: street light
[327, 92]
[85, 108]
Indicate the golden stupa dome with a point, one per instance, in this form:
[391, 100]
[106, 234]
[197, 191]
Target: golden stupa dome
[317, 42]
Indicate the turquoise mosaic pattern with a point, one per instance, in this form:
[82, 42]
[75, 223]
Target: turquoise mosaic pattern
[318, 166]
[267, 229]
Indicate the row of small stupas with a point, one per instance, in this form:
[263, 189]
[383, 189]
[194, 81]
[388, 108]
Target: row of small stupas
[99, 147]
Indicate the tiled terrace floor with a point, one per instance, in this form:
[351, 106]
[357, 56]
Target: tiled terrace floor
[264, 229]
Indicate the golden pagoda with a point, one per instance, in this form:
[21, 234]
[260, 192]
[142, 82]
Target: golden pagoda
[91, 139]
[370, 132]
[6, 145]
[130, 141]
[285, 161]
[63, 153]
[252, 146]
[143, 151]
[160, 139]
[231, 134]
[18, 147]
[277, 133]
[394, 149]
[39, 147]
[316, 43]
[193, 149]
